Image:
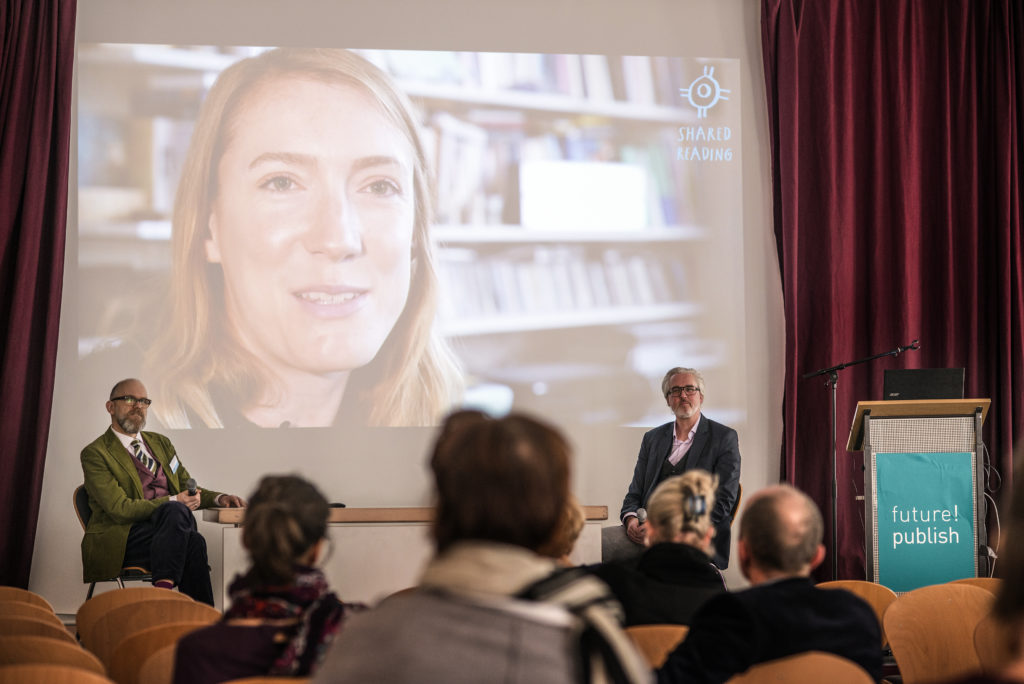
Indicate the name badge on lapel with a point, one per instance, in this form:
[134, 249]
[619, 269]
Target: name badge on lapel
[174, 464]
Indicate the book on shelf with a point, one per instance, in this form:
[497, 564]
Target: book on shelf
[597, 78]
[170, 140]
[461, 150]
[639, 79]
[495, 71]
[568, 76]
[667, 74]
[434, 66]
[549, 280]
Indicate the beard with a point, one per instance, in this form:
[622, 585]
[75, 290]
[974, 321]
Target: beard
[131, 423]
[687, 411]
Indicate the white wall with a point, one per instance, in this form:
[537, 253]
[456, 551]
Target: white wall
[605, 458]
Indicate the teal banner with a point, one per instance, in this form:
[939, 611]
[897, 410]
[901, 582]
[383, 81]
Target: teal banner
[925, 518]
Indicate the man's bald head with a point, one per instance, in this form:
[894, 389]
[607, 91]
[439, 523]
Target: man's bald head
[132, 386]
[127, 414]
[782, 530]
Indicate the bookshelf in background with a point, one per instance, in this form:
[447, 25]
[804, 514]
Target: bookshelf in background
[563, 220]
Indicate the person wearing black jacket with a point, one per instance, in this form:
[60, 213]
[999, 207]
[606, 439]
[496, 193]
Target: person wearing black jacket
[783, 613]
[674, 576]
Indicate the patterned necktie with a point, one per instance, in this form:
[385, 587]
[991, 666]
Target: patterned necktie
[143, 457]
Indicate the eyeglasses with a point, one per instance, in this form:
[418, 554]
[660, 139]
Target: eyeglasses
[132, 401]
[688, 390]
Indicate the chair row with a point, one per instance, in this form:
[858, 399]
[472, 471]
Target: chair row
[63, 674]
[936, 633]
[123, 628]
[32, 636]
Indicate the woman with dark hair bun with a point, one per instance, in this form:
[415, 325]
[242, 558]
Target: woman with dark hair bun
[282, 614]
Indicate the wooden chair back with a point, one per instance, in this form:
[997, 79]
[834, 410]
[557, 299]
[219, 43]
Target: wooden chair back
[158, 668]
[122, 622]
[995, 644]
[132, 652]
[24, 626]
[812, 667]
[269, 680]
[29, 610]
[19, 650]
[35, 673]
[25, 596]
[91, 611]
[931, 631]
[655, 642]
[878, 596]
[736, 506]
[990, 584]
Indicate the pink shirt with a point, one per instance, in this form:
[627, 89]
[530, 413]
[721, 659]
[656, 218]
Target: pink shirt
[681, 448]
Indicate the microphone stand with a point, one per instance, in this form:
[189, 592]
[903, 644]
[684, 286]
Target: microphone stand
[833, 382]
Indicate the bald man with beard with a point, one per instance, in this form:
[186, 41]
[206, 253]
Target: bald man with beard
[783, 613]
[141, 507]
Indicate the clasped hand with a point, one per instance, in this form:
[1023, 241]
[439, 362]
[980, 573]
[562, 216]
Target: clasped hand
[635, 530]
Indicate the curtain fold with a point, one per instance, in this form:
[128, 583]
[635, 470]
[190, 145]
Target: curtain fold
[896, 156]
[36, 60]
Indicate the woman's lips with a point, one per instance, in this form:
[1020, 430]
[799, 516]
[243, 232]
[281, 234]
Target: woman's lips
[331, 301]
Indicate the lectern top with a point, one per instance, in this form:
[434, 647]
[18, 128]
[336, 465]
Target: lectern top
[920, 408]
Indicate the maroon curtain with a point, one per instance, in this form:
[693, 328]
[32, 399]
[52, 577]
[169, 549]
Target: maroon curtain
[36, 58]
[896, 162]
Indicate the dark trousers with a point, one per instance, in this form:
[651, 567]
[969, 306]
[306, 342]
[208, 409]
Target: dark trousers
[169, 544]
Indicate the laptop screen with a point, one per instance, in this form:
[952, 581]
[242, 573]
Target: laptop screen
[923, 383]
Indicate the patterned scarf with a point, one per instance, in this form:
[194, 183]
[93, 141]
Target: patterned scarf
[318, 612]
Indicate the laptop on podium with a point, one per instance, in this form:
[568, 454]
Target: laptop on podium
[923, 383]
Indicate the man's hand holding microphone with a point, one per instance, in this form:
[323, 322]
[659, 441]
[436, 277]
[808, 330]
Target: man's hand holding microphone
[636, 527]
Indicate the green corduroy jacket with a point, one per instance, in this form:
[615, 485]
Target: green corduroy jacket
[116, 498]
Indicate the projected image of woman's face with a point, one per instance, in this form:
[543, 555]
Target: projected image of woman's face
[312, 224]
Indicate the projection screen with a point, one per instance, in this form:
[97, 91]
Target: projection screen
[506, 206]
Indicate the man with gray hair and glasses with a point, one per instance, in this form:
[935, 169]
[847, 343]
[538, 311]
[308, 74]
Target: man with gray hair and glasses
[690, 441]
[142, 499]
[783, 613]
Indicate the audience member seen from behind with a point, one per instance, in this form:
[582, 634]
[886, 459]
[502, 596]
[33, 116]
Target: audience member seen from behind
[783, 613]
[489, 607]
[282, 615]
[303, 290]
[1008, 609]
[567, 532]
[674, 576]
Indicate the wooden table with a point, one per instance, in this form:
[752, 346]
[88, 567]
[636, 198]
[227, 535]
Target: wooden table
[374, 551]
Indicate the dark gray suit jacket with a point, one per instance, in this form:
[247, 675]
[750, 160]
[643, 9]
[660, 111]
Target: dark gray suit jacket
[715, 449]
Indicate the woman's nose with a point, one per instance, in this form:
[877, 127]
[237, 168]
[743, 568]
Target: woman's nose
[336, 230]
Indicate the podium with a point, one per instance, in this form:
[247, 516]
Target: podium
[924, 504]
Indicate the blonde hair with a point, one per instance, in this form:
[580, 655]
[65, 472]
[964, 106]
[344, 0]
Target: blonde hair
[195, 352]
[683, 504]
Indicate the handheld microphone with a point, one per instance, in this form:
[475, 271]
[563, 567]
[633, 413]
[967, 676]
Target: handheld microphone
[190, 484]
[641, 515]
